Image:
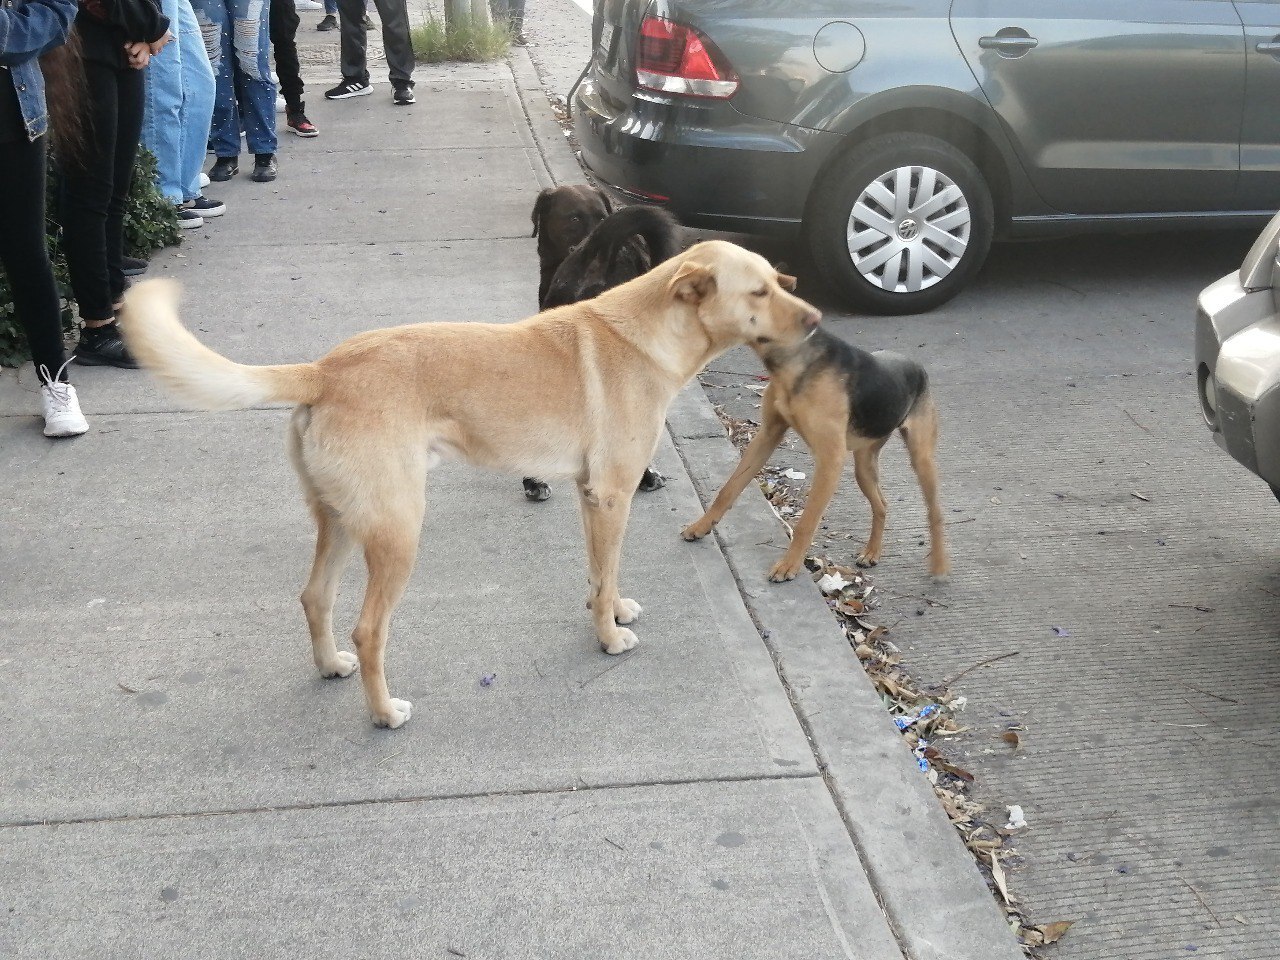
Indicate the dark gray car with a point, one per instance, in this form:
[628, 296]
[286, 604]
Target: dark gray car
[900, 138]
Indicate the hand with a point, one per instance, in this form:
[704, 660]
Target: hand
[139, 54]
[158, 45]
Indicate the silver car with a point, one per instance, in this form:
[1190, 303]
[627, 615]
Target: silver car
[1238, 358]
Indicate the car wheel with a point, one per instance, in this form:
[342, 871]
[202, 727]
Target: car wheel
[902, 225]
[1275, 490]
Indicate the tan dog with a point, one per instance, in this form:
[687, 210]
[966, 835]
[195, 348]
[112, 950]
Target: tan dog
[579, 391]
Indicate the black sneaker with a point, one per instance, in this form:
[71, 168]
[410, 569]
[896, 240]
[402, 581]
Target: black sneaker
[225, 168]
[348, 89]
[206, 207]
[329, 22]
[264, 168]
[102, 347]
[403, 95]
[189, 219]
[368, 24]
[133, 267]
[297, 122]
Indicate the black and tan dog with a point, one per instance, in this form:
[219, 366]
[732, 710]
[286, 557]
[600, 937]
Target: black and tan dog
[624, 245]
[840, 399]
[562, 218]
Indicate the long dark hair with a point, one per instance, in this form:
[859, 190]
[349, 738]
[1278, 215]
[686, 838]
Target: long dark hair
[65, 90]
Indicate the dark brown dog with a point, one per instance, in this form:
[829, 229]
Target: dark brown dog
[562, 218]
[840, 400]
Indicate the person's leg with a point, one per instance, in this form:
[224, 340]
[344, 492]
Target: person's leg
[215, 25]
[199, 88]
[25, 256]
[257, 92]
[355, 67]
[164, 120]
[130, 98]
[395, 39]
[87, 185]
[284, 32]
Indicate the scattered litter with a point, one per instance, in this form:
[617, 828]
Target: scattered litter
[793, 474]
[1053, 932]
[1059, 632]
[124, 688]
[487, 679]
[959, 703]
[1017, 819]
[1141, 497]
[756, 387]
[95, 603]
[903, 722]
[1012, 739]
[832, 583]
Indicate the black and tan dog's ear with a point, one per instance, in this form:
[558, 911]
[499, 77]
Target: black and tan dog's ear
[786, 281]
[693, 282]
[540, 209]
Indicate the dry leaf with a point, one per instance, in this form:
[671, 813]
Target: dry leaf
[124, 688]
[1053, 932]
[997, 874]
[1011, 737]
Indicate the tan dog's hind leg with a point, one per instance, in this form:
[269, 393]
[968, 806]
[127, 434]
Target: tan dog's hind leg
[389, 554]
[333, 550]
[605, 509]
[866, 470]
[772, 429]
[826, 441]
[920, 431]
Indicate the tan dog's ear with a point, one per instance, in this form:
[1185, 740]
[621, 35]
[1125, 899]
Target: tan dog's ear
[540, 209]
[693, 282]
[786, 282]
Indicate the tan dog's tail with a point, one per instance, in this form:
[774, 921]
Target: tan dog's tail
[193, 372]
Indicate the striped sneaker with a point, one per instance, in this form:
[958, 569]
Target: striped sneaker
[348, 89]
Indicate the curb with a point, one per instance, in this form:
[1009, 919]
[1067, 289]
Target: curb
[935, 898]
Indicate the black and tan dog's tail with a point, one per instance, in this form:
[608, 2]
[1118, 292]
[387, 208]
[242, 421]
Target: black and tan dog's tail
[661, 232]
[193, 372]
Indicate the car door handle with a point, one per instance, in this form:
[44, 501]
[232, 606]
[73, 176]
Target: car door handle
[1007, 43]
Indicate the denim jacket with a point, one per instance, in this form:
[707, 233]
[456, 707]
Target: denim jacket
[29, 28]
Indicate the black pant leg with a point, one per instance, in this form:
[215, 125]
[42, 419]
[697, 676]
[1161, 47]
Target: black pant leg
[355, 66]
[131, 103]
[24, 254]
[88, 183]
[284, 44]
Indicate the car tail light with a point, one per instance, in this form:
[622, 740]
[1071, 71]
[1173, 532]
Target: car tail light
[677, 59]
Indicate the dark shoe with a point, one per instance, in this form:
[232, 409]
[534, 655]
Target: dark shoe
[189, 219]
[348, 89]
[520, 40]
[536, 490]
[329, 22]
[368, 24]
[651, 481]
[264, 168]
[225, 168]
[102, 347]
[299, 124]
[133, 267]
[206, 207]
[403, 95]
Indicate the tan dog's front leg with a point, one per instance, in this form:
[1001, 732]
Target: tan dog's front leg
[772, 429]
[828, 454]
[604, 519]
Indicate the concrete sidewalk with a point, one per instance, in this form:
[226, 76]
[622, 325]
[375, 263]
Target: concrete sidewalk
[176, 781]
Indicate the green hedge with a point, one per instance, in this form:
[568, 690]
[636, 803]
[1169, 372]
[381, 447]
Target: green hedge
[150, 222]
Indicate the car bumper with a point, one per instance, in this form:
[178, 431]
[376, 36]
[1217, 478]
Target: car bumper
[710, 165]
[1238, 373]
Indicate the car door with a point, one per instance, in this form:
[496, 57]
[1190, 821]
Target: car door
[1114, 107]
[1260, 137]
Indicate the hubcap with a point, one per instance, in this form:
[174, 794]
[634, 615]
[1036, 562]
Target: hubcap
[908, 229]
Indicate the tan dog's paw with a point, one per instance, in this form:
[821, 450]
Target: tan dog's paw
[939, 566]
[344, 665]
[696, 531]
[867, 559]
[621, 641]
[626, 611]
[396, 715]
[786, 569]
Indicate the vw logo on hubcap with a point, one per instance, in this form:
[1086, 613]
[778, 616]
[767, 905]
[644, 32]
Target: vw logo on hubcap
[908, 229]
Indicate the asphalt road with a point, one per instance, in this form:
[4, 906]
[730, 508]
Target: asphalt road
[1083, 493]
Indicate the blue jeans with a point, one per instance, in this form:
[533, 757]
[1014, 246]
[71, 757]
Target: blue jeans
[179, 105]
[237, 33]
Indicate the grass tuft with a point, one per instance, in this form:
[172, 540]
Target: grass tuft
[465, 40]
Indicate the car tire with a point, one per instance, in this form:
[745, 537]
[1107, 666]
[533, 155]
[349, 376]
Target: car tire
[1275, 490]
[902, 224]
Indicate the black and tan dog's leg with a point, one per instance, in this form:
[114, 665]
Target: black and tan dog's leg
[605, 510]
[333, 549]
[866, 470]
[536, 490]
[772, 429]
[920, 431]
[829, 453]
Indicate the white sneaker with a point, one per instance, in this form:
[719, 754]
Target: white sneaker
[281, 106]
[62, 416]
[307, 5]
[204, 180]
